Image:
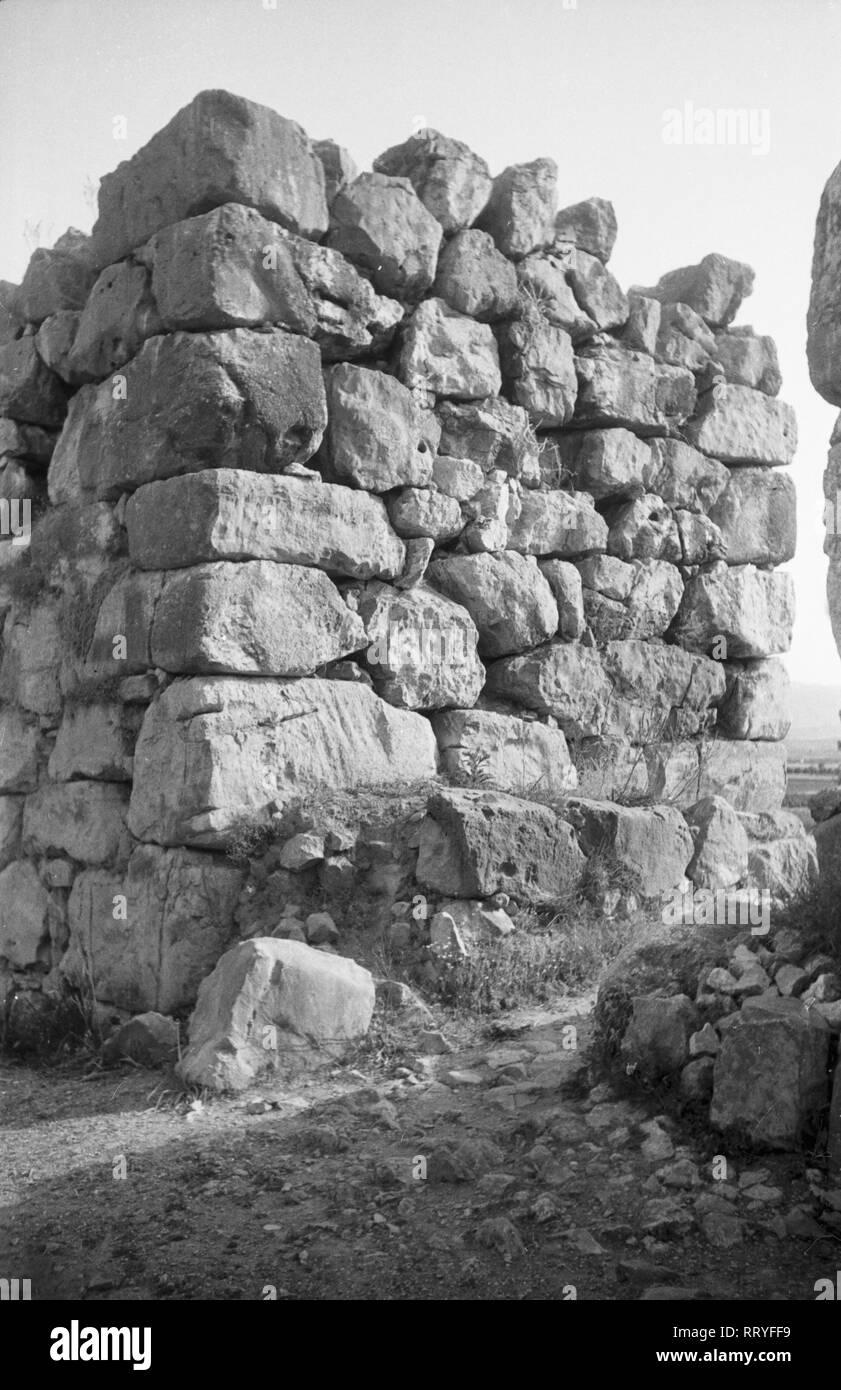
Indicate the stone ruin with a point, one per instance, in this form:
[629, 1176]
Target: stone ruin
[348, 485]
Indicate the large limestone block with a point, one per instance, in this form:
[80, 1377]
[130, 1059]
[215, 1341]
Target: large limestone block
[787, 868]
[149, 937]
[94, 742]
[686, 478]
[11, 821]
[590, 225]
[650, 843]
[563, 524]
[640, 691]
[255, 618]
[545, 287]
[747, 775]
[28, 443]
[645, 529]
[565, 582]
[273, 1006]
[520, 212]
[218, 149]
[33, 639]
[56, 279]
[500, 751]
[505, 594]
[824, 316]
[216, 753]
[751, 776]
[598, 293]
[629, 389]
[381, 225]
[423, 648]
[720, 857]
[636, 599]
[476, 279]
[28, 916]
[119, 316]
[19, 751]
[373, 437]
[606, 463]
[227, 514]
[451, 181]
[714, 288]
[538, 366]
[757, 701]
[191, 401]
[757, 517]
[338, 164]
[492, 433]
[29, 391]
[684, 340]
[233, 268]
[475, 843]
[751, 609]
[770, 1078]
[449, 353]
[748, 359]
[738, 425]
[85, 820]
[415, 512]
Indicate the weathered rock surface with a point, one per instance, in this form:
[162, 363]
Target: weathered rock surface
[233, 268]
[656, 1040]
[373, 437]
[770, 1074]
[506, 595]
[714, 288]
[147, 938]
[492, 433]
[565, 582]
[218, 149]
[590, 225]
[118, 317]
[451, 181]
[449, 353]
[28, 915]
[751, 609]
[607, 463]
[29, 391]
[757, 701]
[686, 478]
[381, 225]
[520, 211]
[757, 517]
[476, 279]
[214, 754]
[748, 359]
[545, 288]
[228, 514]
[476, 843]
[56, 279]
[636, 690]
[737, 425]
[650, 843]
[415, 512]
[274, 1006]
[539, 369]
[720, 859]
[824, 316]
[636, 599]
[504, 752]
[629, 389]
[423, 648]
[557, 523]
[255, 618]
[94, 741]
[193, 401]
[84, 820]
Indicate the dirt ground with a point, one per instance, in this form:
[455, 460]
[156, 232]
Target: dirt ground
[392, 1179]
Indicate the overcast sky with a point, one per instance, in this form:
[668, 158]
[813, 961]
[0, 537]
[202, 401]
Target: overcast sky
[588, 83]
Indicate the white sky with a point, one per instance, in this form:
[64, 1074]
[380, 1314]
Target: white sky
[587, 85]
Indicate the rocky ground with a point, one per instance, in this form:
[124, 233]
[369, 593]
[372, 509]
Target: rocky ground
[497, 1170]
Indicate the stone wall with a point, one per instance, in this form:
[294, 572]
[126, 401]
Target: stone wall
[349, 481]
